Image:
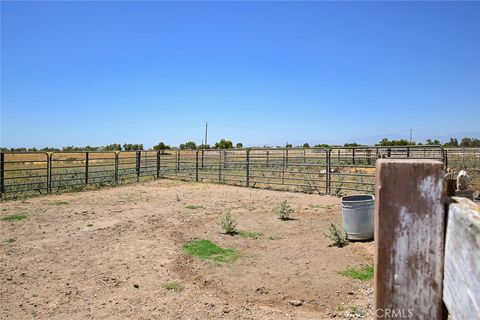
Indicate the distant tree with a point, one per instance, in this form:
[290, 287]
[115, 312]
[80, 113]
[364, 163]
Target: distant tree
[161, 146]
[113, 147]
[452, 143]
[223, 144]
[188, 145]
[239, 145]
[306, 145]
[204, 146]
[430, 142]
[353, 144]
[402, 142]
[132, 147]
[322, 145]
[288, 145]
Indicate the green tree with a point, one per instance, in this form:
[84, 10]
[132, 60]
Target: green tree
[161, 146]
[223, 144]
[188, 145]
[239, 145]
[306, 145]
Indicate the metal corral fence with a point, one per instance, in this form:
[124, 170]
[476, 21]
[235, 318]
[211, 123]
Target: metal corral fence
[335, 171]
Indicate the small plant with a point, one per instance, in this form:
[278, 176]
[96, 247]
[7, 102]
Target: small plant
[337, 235]
[10, 240]
[228, 224]
[60, 203]
[249, 234]
[173, 286]
[14, 217]
[207, 250]
[283, 210]
[178, 198]
[363, 273]
[274, 238]
[193, 207]
[34, 295]
[90, 225]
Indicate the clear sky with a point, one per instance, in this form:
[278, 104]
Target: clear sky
[259, 72]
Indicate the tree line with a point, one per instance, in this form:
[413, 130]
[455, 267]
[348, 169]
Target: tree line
[465, 142]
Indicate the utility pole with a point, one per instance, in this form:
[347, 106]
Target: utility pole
[206, 133]
[411, 131]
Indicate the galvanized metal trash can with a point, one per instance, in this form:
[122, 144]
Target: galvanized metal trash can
[358, 216]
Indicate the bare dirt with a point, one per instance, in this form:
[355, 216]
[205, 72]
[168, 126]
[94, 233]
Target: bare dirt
[107, 254]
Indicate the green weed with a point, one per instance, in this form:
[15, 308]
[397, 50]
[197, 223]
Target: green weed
[60, 203]
[364, 272]
[249, 234]
[207, 250]
[14, 217]
[173, 286]
[10, 240]
[193, 207]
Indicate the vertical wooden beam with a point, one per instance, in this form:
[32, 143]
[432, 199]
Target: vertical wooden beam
[409, 232]
[116, 167]
[461, 291]
[158, 164]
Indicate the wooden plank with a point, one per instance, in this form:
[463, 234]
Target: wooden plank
[461, 282]
[409, 232]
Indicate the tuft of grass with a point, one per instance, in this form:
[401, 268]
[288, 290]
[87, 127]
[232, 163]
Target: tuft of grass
[274, 238]
[363, 273]
[228, 224]
[249, 234]
[14, 217]
[10, 240]
[60, 203]
[90, 225]
[337, 235]
[322, 206]
[173, 286]
[4, 209]
[34, 295]
[283, 210]
[193, 207]
[207, 250]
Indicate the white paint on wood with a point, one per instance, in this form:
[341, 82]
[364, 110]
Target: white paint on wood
[462, 260]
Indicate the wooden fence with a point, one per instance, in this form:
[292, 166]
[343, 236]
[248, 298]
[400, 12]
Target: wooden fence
[427, 262]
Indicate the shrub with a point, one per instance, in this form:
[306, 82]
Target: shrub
[228, 224]
[337, 235]
[362, 273]
[283, 210]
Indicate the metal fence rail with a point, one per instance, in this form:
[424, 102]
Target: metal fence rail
[325, 171]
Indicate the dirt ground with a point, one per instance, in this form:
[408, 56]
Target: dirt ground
[107, 254]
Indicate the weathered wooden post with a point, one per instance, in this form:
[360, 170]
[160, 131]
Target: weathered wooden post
[461, 284]
[158, 164]
[409, 232]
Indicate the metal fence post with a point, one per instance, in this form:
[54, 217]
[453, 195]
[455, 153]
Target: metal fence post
[116, 167]
[220, 166]
[285, 158]
[178, 160]
[247, 178]
[2, 173]
[86, 167]
[158, 164]
[353, 156]
[49, 173]
[137, 165]
[196, 166]
[327, 173]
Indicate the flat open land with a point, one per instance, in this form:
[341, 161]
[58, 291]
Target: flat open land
[109, 254]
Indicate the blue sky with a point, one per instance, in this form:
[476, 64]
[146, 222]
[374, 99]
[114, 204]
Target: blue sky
[259, 72]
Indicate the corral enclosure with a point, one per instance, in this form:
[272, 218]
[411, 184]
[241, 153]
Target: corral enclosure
[117, 253]
[335, 171]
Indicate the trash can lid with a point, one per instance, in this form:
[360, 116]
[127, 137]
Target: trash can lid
[358, 197]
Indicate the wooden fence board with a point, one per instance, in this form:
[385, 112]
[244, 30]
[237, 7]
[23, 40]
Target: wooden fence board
[462, 260]
[409, 232]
